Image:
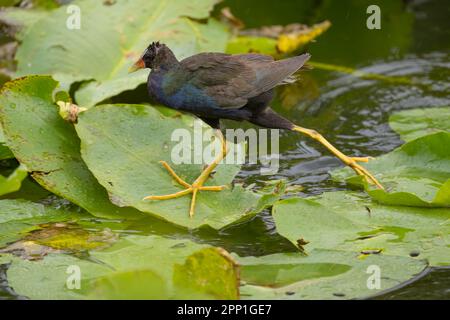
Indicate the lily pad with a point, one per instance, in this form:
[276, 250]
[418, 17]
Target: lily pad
[212, 271]
[58, 238]
[17, 217]
[276, 40]
[20, 20]
[351, 222]
[183, 270]
[124, 153]
[111, 37]
[416, 174]
[49, 147]
[324, 274]
[47, 279]
[208, 273]
[130, 285]
[14, 181]
[5, 153]
[415, 123]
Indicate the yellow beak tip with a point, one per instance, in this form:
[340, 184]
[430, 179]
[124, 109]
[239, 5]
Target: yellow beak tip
[133, 69]
[140, 64]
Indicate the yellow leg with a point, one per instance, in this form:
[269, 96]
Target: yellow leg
[349, 161]
[197, 185]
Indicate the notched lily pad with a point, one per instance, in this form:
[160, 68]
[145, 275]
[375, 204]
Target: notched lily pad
[49, 146]
[124, 154]
[211, 270]
[128, 270]
[324, 274]
[340, 221]
[416, 174]
[415, 123]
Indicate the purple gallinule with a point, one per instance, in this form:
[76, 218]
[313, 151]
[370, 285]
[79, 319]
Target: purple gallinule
[216, 86]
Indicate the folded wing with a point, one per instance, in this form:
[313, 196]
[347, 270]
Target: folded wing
[230, 80]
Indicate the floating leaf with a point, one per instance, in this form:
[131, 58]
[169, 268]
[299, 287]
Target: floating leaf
[411, 124]
[114, 273]
[275, 40]
[124, 153]
[58, 238]
[29, 190]
[190, 271]
[110, 38]
[292, 40]
[17, 217]
[19, 21]
[70, 237]
[350, 222]
[49, 146]
[416, 174]
[130, 285]
[14, 181]
[324, 274]
[212, 271]
[206, 274]
[244, 44]
[5, 153]
[48, 279]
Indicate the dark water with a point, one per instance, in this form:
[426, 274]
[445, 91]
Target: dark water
[351, 112]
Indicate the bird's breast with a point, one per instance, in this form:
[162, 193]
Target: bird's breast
[183, 96]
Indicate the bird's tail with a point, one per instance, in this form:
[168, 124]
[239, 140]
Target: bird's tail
[304, 66]
[270, 119]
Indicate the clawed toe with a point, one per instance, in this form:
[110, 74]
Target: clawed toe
[364, 172]
[362, 159]
[189, 189]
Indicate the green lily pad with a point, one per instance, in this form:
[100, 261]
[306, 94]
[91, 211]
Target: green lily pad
[21, 20]
[47, 279]
[416, 174]
[206, 274]
[70, 237]
[17, 217]
[276, 40]
[124, 153]
[130, 285]
[210, 270]
[58, 238]
[324, 274]
[5, 153]
[244, 44]
[415, 123]
[111, 37]
[351, 222]
[14, 181]
[181, 270]
[49, 147]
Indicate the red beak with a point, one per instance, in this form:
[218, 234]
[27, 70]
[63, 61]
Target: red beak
[140, 64]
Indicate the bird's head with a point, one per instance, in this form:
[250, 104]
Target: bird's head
[156, 55]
